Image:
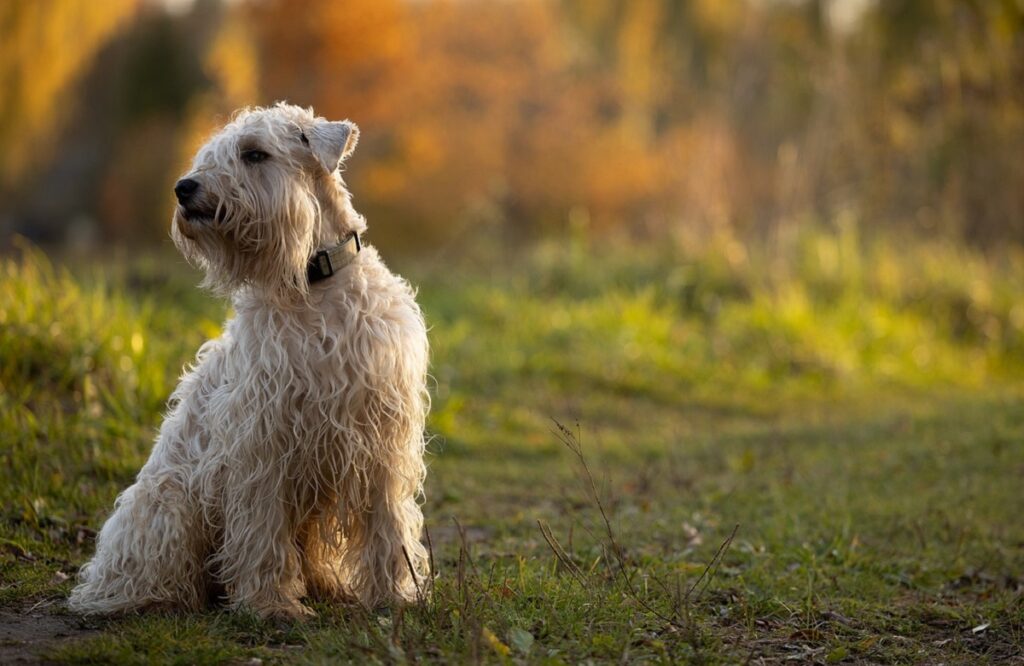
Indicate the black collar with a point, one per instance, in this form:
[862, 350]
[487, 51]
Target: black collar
[326, 263]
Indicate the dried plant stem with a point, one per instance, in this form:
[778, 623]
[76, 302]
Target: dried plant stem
[571, 441]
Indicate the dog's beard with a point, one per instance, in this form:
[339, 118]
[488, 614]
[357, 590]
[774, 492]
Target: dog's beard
[185, 225]
[185, 234]
[234, 248]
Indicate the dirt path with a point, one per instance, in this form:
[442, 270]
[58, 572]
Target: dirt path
[27, 633]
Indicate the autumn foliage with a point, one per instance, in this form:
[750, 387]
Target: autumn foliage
[523, 116]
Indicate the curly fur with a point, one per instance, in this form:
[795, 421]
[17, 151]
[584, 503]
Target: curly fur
[290, 462]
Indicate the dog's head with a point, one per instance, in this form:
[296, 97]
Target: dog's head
[262, 195]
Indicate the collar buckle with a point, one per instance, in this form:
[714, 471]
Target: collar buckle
[322, 259]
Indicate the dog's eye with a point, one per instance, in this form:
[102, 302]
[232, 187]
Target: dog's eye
[254, 156]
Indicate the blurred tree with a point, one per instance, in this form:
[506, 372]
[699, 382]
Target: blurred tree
[942, 85]
[46, 44]
[340, 57]
[158, 75]
[145, 88]
[471, 107]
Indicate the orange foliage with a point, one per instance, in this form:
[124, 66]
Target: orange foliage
[471, 104]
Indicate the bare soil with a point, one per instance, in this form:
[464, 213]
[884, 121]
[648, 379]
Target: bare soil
[28, 634]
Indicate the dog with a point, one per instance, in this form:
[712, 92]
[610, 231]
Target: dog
[290, 463]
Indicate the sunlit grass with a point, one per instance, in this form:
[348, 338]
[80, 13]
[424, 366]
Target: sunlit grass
[823, 317]
[855, 406]
[85, 372]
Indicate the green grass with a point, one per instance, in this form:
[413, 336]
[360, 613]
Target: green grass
[855, 407]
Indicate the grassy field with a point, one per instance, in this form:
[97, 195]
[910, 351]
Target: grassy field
[723, 454]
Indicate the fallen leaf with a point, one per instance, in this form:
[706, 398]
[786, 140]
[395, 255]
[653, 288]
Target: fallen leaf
[495, 643]
[692, 535]
[867, 643]
[521, 639]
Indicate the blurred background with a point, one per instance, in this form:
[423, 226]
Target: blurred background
[484, 119]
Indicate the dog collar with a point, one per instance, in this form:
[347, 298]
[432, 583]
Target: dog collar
[326, 263]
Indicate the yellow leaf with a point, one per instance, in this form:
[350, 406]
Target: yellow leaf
[495, 643]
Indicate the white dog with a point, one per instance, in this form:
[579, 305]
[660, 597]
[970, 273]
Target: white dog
[290, 463]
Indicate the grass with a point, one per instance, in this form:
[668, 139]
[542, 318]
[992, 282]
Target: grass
[855, 407]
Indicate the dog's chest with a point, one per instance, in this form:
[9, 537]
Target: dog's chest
[309, 372]
[286, 350]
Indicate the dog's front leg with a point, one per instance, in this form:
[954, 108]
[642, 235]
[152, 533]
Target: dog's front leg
[150, 551]
[383, 553]
[398, 559]
[258, 561]
[383, 557]
[147, 554]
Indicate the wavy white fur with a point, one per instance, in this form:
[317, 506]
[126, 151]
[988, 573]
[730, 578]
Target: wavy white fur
[290, 462]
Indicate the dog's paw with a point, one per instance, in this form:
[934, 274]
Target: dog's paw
[286, 611]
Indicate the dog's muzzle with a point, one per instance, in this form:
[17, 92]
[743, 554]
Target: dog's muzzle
[192, 202]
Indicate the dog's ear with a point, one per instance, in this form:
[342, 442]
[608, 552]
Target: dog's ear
[331, 142]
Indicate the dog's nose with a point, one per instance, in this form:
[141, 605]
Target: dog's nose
[185, 188]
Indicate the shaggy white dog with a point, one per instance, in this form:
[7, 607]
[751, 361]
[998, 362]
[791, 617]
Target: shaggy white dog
[290, 462]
